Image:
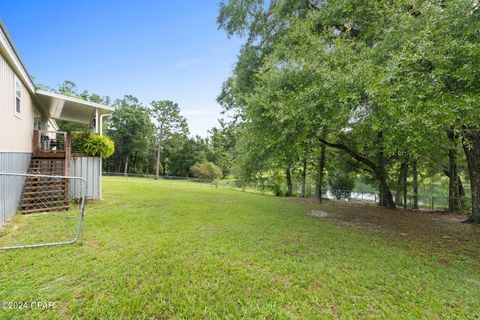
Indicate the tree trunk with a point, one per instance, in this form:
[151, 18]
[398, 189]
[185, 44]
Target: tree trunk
[471, 147]
[454, 200]
[321, 169]
[288, 173]
[157, 166]
[400, 198]
[399, 189]
[159, 153]
[304, 177]
[120, 163]
[415, 184]
[134, 162]
[125, 169]
[386, 197]
[461, 192]
[461, 189]
[405, 188]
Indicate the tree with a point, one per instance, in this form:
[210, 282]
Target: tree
[132, 131]
[168, 121]
[182, 152]
[434, 81]
[295, 71]
[384, 80]
[224, 145]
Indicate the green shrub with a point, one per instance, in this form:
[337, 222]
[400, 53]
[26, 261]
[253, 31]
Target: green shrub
[78, 141]
[206, 170]
[341, 185]
[98, 146]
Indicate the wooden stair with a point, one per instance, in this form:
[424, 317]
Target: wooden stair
[45, 194]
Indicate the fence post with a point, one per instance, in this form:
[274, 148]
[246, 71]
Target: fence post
[432, 204]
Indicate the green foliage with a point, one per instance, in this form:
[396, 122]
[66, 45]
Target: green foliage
[69, 88]
[224, 145]
[206, 170]
[168, 119]
[341, 185]
[92, 145]
[383, 79]
[180, 153]
[78, 141]
[69, 126]
[133, 133]
[275, 183]
[99, 146]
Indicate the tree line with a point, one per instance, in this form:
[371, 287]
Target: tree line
[154, 139]
[378, 88]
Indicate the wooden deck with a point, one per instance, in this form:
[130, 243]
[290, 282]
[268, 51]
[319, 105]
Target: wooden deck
[49, 154]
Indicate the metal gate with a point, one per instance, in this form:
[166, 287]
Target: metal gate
[38, 210]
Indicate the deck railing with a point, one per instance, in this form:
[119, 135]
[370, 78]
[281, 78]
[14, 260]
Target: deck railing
[51, 141]
[53, 144]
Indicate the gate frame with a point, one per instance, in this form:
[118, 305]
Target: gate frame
[78, 234]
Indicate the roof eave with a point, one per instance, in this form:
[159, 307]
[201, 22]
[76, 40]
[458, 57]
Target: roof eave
[76, 100]
[72, 109]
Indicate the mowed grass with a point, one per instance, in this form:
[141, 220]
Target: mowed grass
[180, 250]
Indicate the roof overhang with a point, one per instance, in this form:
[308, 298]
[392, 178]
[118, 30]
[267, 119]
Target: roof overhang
[62, 107]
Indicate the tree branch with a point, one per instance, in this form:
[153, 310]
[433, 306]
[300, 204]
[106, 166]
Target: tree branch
[351, 152]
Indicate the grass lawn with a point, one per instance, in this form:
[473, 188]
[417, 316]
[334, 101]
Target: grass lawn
[181, 250]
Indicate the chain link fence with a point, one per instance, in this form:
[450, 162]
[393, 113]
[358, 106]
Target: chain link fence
[40, 210]
[154, 177]
[423, 202]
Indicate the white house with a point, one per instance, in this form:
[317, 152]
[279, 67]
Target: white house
[28, 132]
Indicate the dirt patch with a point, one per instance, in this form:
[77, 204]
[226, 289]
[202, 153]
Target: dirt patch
[318, 214]
[8, 229]
[437, 233]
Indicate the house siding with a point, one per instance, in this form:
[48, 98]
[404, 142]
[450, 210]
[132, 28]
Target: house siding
[15, 133]
[10, 186]
[15, 140]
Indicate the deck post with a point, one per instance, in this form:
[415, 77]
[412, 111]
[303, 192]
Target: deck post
[36, 141]
[96, 120]
[68, 152]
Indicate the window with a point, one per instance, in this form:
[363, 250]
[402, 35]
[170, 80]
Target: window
[18, 97]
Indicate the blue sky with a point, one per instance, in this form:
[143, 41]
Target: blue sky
[154, 50]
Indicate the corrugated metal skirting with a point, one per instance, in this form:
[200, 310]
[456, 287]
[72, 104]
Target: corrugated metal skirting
[88, 168]
[11, 187]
